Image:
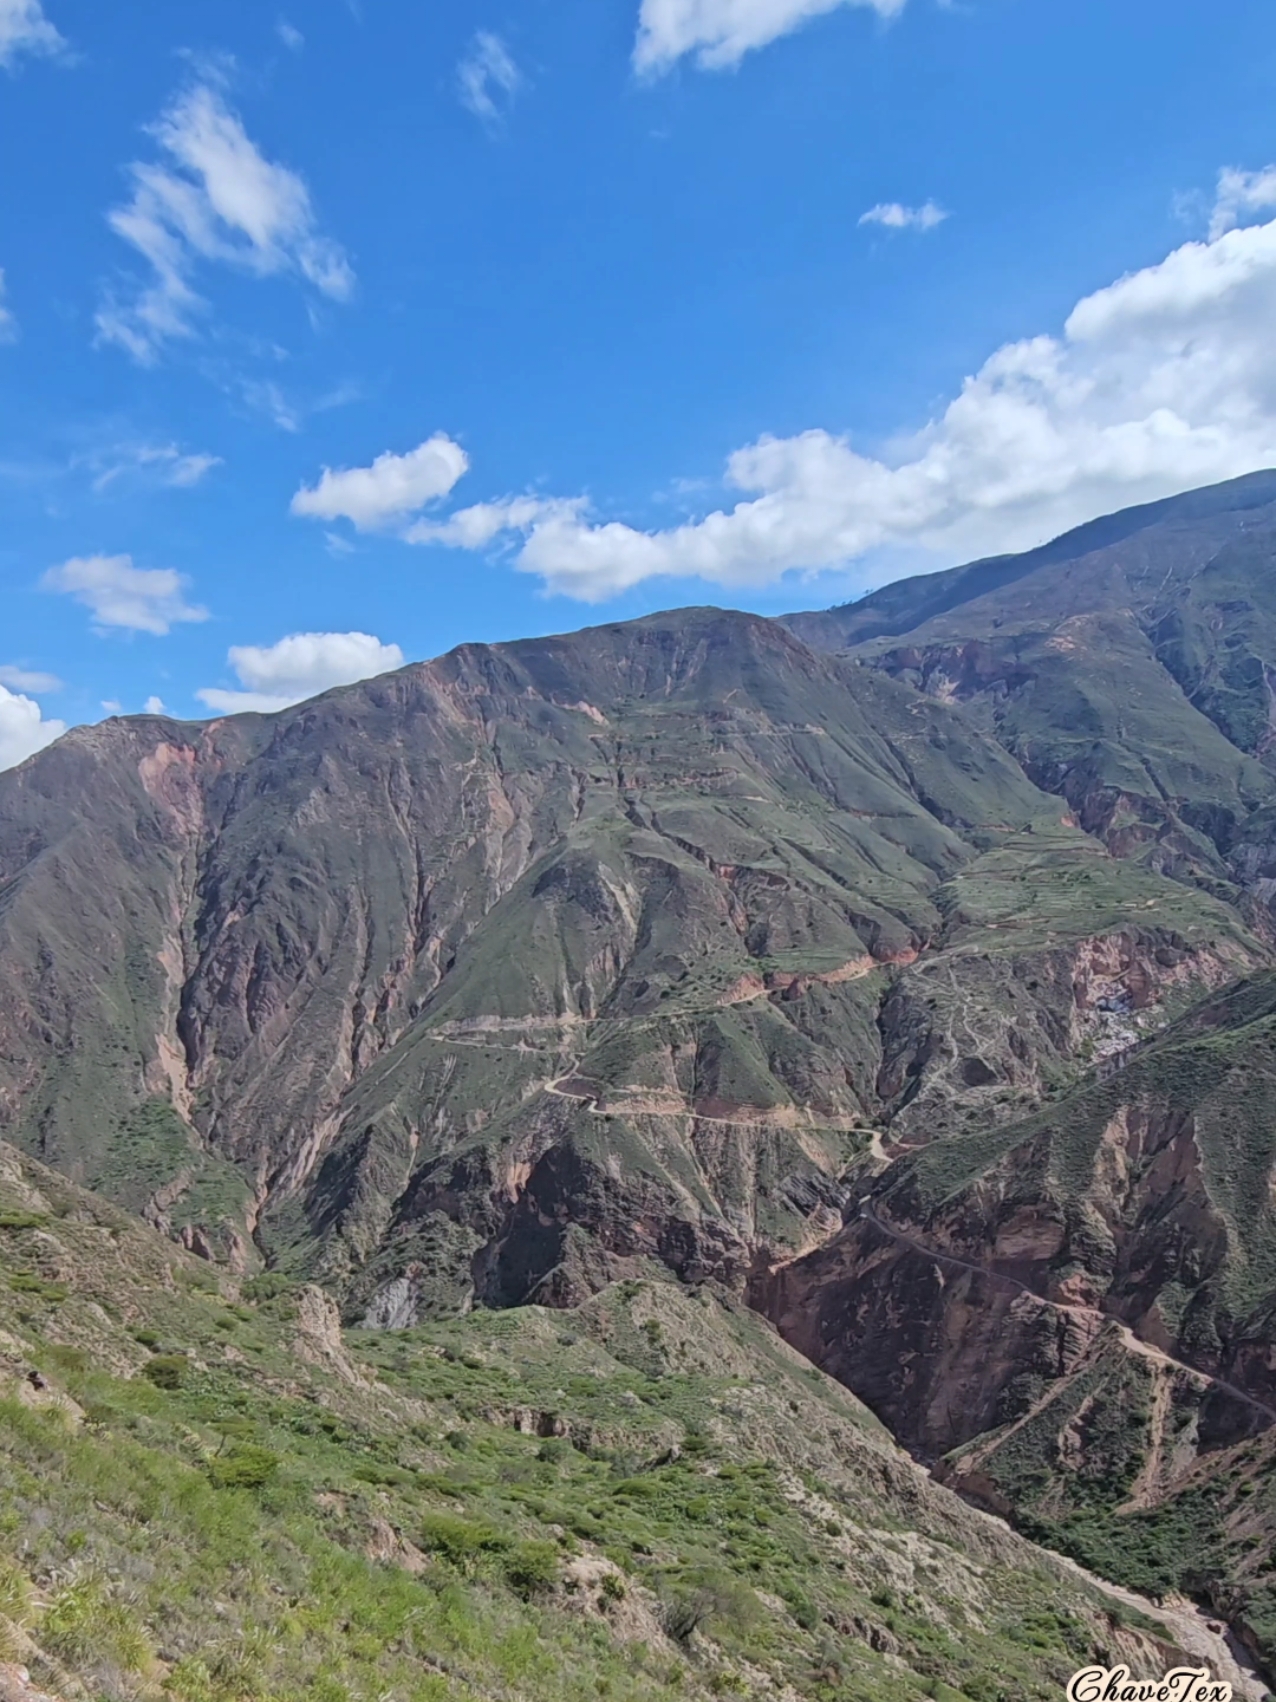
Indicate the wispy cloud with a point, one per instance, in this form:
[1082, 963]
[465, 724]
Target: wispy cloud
[8, 324]
[28, 679]
[162, 463]
[214, 198]
[720, 32]
[274, 676]
[25, 29]
[487, 78]
[893, 215]
[392, 489]
[290, 35]
[119, 595]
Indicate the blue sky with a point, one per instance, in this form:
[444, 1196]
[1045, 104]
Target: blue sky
[351, 330]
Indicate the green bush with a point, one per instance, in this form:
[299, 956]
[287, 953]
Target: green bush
[531, 1566]
[166, 1370]
[246, 1466]
[459, 1540]
[25, 1282]
[22, 1220]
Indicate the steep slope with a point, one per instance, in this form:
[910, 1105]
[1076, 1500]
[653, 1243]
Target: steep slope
[1077, 1311]
[503, 974]
[1127, 666]
[211, 1493]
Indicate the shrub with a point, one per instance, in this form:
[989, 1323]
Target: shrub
[246, 1466]
[708, 1595]
[531, 1566]
[459, 1540]
[166, 1370]
[26, 1282]
[382, 1476]
[22, 1220]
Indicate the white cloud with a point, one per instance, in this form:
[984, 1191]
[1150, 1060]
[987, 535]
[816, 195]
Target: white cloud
[894, 216]
[25, 29]
[153, 706]
[1164, 380]
[28, 679]
[1239, 193]
[23, 729]
[721, 32]
[216, 199]
[290, 35]
[391, 489]
[475, 527]
[138, 599]
[487, 78]
[162, 462]
[8, 325]
[277, 675]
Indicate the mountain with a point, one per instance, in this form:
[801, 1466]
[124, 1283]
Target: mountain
[903, 971]
[538, 961]
[1126, 665]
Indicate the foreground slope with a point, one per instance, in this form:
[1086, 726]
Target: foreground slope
[209, 1493]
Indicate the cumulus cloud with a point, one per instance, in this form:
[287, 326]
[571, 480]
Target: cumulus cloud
[25, 29]
[391, 489]
[1164, 380]
[162, 463]
[214, 198]
[894, 216]
[28, 679]
[277, 675]
[721, 32]
[153, 706]
[23, 728]
[136, 599]
[487, 78]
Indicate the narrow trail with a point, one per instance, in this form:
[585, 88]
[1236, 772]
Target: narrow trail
[590, 1102]
[1135, 1343]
